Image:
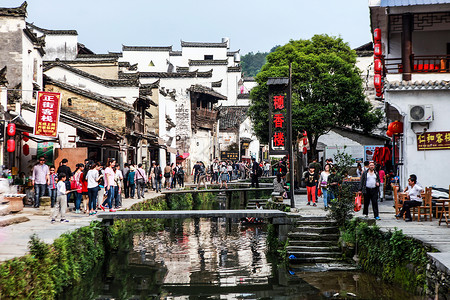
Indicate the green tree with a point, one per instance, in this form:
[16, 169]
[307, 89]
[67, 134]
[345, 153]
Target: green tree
[327, 89]
[252, 62]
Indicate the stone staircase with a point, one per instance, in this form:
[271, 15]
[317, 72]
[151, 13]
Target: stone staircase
[314, 240]
[251, 204]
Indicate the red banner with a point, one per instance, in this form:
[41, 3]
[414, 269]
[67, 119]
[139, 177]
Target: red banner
[433, 141]
[47, 114]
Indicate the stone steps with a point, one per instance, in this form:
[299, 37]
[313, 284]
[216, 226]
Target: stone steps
[308, 229]
[292, 248]
[309, 254]
[313, 236]
[13, 219]
[313, 243]
[317, 259]
[301, 222]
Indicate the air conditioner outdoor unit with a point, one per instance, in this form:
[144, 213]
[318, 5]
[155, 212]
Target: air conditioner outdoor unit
[421, 113]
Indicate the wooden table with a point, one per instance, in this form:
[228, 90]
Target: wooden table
[444, 212]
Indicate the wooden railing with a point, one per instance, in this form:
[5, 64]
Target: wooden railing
[204, 118]
[420, 64]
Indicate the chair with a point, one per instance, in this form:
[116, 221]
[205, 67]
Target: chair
[426, 208]
[397, 204]
[440, 207]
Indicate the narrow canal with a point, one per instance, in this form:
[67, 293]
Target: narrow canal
[216, 259]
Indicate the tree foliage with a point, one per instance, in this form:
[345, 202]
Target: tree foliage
[327, 88]
[252, 62]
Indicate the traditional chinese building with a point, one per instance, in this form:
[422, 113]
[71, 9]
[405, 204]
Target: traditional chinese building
[415, 48]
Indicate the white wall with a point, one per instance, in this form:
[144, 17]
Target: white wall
[30, 55]
[63, 47]
[143, 59]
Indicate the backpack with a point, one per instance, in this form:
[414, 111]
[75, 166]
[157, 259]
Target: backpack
[259, 171]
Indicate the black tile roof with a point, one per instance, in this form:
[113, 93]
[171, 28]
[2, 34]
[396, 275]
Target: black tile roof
[197, 88]
[175, 53]
[217, 84]
[39, 42]
[193, 74]
[231, 117]
[365, 50]
[277, 81]
[20, 11]
[232, 53]
[146, 48]
[417, 85]
[249, 79]
[234, 69]
[99, 56]
[108, 82]
[110, 101]
[203, 45]
[243, 96]
[83, 61]
[208, 62]
[182, 69]
[51, 31]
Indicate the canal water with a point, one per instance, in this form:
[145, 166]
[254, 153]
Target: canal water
[216, 259]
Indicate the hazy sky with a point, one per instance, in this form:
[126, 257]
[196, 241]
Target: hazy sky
[104, 25]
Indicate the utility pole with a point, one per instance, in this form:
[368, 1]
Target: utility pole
[290, 141]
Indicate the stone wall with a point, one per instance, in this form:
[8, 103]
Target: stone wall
[11, 48]
[91, 109]
[438, 277]
[183, 117]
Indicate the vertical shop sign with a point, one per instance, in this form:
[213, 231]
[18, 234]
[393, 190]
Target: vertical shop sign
[47, 114]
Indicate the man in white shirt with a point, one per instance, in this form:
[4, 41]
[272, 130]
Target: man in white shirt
[414, 198]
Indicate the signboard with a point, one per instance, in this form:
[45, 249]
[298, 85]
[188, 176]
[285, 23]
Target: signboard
[47, 114]
[356, 152]
[46, 150]
[229, 155]
[279, 120]
[369, 151]
[439, 140]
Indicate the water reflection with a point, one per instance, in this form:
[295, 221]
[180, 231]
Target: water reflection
[216, 259]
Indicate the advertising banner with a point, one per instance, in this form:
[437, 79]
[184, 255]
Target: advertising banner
[47, 114]
[46, 150]
[433, 141]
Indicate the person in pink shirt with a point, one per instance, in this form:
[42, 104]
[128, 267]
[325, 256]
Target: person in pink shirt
[110, 184]
[381, 173]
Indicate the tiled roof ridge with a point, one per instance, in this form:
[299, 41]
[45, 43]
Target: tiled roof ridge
[192, 74]
[110, 101]
[204, 44]
[232, 53]
[77, 61]
[146, 48]
[234, 69]
[108, 82]
[217, 84]
[175, 53]
[417, 85]
[100, 55]
[54, 31]
[201, 62]
[198, 88]
[20, 11]
[232, 116]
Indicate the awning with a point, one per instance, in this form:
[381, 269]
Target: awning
[183, 156]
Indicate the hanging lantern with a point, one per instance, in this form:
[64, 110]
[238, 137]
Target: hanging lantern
[11, 129]
[397, 127]
[389, 133]
[377, 49]
[11, 145]
[26, 149]
[305, 133]
[305, 150]
[377, 81]
[377, 35]
[379, 94]
[377, 66]
[25, 137]
[305, 141]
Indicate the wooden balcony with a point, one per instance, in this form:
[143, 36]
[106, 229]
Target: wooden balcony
[204, 118]
[420, 64]
[137, 125]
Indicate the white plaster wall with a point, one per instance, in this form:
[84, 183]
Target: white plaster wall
[334, 139]
[128, 93]
[432, 165]
[201, 146]
[226, 139]
[246, 131]
[198, 53]
[143, 59]
[63, 47]
[29, 55]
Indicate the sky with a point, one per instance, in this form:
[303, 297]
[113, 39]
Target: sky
[106, 25]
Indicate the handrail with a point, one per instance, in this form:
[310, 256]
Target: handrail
[420, 64]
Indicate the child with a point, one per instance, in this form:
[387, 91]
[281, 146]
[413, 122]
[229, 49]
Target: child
[52, 180]
[61, 199]
[311, 179]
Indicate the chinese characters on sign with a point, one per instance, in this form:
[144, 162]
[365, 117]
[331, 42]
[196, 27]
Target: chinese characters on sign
[433, 141]
[47, 114]
[229, 155]
[278, 119]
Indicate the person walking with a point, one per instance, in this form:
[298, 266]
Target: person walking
[311, 179]
[173, 182]
[255, 173]
[266, 169]
[39, 180]
[131, 182]
[323, 182]
[92, 178]
[118, 177]
[141, 179]
[180, 176]
[202, 175]
[151, 177]
[64, 168]
[52, 180]
[382, 174]
[110, 185]
[84, 189]
[126, 188]
[77, 176]
[414, 198]
[195, 171]
[61, 199]
[369, 187]
[167, 172]
[158, 177]
[223, 175]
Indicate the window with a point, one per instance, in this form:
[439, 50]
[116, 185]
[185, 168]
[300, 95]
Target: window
[208, 57]
[69, 102]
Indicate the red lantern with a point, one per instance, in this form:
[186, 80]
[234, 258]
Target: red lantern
[377, 35]
[26, 150]
[379, 94]
[389, 133]
[305, 141]
[377, 66]
[305, 150]
[377, 49]
[11, 129]
[397, 127]
[26, 135]
[304, 133]
[11, 145]
[377, 81]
